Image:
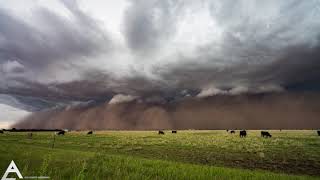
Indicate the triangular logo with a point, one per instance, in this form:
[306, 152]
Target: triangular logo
[12, 168]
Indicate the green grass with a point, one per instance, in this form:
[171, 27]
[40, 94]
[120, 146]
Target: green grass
[147, 155]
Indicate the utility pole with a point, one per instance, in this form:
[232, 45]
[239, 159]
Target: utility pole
[54, 138]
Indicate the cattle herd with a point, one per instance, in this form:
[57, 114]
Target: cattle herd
[265, 134]
[242, 133]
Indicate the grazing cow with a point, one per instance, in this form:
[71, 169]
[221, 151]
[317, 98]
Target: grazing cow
[160, 132]
[232, 132]
[1, 131]
[174, 132]
[318, 133]
[227, 130]
[90, 132]
[265, 134]
[243, 133]
[61, 133]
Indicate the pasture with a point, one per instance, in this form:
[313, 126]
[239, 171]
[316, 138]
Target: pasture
[190, 154]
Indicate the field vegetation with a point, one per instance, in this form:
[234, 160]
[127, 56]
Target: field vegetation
[191, 154]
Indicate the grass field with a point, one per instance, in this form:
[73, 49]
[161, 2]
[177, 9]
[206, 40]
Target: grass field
[147, 155]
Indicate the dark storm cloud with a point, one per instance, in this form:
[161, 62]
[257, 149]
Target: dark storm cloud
[30, 51]
[170, 48]
[299, 64]
[149, 23]
[50, 40]
[263, 43]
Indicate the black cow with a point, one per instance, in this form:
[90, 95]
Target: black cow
[174, 132]
[265, 134]
[232, 132]
[243, 133]
[90, 132]
[1, 131]
[318, 133]
[160, 132]
[61, 133]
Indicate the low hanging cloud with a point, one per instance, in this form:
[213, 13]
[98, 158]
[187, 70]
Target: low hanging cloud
[210, 91]
[120, 98]
[167, 51]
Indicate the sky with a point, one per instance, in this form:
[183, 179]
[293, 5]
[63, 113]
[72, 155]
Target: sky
[73, 51]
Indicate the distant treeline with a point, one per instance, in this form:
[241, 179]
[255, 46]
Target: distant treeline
[32, 130]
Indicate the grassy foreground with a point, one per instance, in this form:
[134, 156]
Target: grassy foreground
[147, 155]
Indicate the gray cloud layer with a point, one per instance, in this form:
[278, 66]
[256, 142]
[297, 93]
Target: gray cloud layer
[170, 47]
